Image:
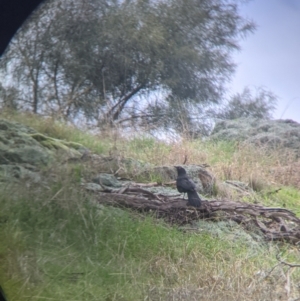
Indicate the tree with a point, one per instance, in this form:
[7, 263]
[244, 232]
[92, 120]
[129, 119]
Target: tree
[247, 104]
[25, 62]
[8, 97]
[104, 59]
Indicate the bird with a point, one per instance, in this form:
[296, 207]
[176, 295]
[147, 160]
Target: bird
[185, 184]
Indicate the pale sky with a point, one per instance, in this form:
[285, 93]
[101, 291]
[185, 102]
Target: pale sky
[270, 57]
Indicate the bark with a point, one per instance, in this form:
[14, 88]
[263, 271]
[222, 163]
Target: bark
[274, 223]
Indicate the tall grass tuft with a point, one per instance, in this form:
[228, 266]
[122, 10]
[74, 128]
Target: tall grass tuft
[59, 243]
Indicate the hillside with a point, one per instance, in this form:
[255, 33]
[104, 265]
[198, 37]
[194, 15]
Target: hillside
[61, 241]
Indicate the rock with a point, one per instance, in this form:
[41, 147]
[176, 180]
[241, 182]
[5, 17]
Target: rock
[203, 179]
[11, 172]
[157, 174]
[107, 180]
[23, 150]
[123, 167]
[93, 187]
[17, 145]
[15, 127]
[233, 190]
[71, 149]
[239, 186]
[26, 154]
[168, 191]
[271, 133]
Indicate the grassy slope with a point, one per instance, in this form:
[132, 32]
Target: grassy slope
[58, 244]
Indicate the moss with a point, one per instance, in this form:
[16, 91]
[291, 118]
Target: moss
[58, 145]
[39, 137]
[74, 145]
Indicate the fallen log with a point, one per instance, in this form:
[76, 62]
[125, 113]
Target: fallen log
[275, 224]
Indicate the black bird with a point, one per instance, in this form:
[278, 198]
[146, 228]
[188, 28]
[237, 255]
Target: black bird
[184, 184]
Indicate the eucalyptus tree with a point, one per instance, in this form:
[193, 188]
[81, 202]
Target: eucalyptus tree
[257, 103]
[127, 62]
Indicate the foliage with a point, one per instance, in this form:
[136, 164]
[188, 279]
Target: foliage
[245, 104]
[8, 97]
[106, 60]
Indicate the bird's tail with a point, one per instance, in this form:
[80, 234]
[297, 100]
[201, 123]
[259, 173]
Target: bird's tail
[193, 199]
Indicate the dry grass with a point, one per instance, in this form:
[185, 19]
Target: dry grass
[62, 246]
[257, 166]
[59, 245]
[287, 175]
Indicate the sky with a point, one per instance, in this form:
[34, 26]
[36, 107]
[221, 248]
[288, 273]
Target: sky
[270, 57]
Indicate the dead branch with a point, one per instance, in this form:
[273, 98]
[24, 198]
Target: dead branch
[290, 265]
[274, 223]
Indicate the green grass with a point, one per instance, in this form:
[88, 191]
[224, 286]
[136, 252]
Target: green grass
[63, 246]
[58, 243]
[285, 197]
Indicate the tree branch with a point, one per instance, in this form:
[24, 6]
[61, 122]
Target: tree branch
[275, 224]
[116, 110]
